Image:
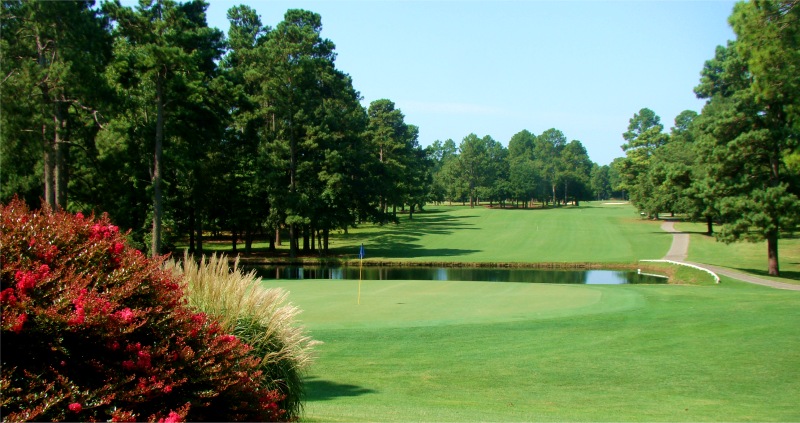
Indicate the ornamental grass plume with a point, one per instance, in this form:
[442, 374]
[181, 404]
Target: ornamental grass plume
[260, 317]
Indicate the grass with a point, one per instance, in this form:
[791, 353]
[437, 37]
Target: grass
[469, 351]
[462, 234]
[745, 256]
[590, 233]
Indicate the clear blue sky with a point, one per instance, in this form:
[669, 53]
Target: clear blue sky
[498, 67]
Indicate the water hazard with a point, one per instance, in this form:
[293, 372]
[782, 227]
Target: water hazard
[596, 277]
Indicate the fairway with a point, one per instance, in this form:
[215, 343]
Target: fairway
[468, 351]
[590, 233]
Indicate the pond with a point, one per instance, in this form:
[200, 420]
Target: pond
[484, 274]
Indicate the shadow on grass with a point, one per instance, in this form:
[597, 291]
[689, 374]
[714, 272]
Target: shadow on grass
[402, 240]
[793, 275]
[325, 390]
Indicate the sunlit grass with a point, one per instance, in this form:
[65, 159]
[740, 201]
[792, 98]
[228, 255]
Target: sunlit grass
[472, 351]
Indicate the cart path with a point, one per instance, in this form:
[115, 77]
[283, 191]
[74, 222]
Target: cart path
[679, 250]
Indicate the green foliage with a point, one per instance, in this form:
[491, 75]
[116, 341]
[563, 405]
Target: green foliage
[93, 330]
[746, 131]
[260, 317]
[643, 137]
[51, 96]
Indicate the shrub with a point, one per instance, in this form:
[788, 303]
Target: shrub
[259, 316]
[93, 330]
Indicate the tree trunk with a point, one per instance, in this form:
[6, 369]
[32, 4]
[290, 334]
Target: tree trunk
[158, 211]
[191, 230]
[709, 225]
[248, 240]
[772, 254]
[49, 169]
[292, 240]
[325, 235]
[199, 248]
[61, 157]
[234, 238]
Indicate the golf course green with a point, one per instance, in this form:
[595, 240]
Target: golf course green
[487, 351]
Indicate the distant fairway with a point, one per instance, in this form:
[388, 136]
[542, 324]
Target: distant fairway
[593, 232]
[471, 351]
[590, 233]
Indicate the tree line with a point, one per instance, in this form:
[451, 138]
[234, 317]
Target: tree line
[541, 168]
[175, 129]
[737, 163]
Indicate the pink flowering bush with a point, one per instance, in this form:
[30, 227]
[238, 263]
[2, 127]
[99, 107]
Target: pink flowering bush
[94, 331]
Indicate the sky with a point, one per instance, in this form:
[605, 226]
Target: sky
[498, 67]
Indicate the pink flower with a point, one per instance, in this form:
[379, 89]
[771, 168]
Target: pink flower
[25, 280]
[116, 248]
[21, 319]
[125, 315]
[144, 360]
[75, 407]
[173, 417]
[227, 338]
[199, 318]
[79, 216]
[80, 315]
[167, 389]
[7, 296]
[50, 254]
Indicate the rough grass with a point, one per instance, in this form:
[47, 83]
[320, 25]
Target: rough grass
[471, 351]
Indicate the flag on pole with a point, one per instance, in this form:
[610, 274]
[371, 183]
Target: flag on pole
[360, 264]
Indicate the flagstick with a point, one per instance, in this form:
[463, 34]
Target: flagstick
[360, 263]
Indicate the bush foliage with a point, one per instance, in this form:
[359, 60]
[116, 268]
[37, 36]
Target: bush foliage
[259, 316]
[92, 330]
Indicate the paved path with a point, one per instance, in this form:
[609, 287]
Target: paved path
[679, 250]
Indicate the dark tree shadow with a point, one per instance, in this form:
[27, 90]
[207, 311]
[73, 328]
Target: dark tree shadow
[784, 273]
[324, 390]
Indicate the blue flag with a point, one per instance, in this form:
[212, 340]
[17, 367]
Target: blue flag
[361, 252]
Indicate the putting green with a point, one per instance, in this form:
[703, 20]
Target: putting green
[331, 304]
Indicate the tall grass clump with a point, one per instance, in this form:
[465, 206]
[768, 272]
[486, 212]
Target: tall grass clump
[260, 317]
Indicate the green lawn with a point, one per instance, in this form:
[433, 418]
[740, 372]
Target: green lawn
[469, 351]
[590, 233]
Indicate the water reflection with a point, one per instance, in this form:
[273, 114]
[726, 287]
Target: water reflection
[599, 277]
